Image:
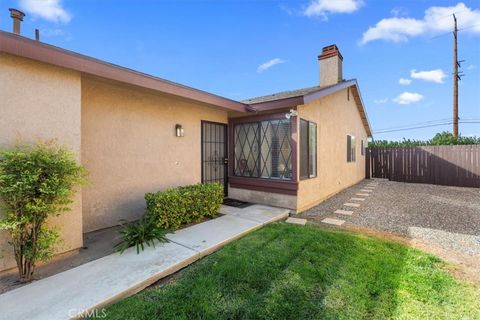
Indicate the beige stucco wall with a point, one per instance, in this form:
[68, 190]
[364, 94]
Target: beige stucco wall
[39, 101]
[129, 148]
[336, 116]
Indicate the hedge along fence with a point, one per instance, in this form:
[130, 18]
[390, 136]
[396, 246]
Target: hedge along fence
[174, 207]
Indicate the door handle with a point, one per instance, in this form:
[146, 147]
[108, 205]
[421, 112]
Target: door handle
[225, 161]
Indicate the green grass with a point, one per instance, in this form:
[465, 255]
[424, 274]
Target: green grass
[292, 272]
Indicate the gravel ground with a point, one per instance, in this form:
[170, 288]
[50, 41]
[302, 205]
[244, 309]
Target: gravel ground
[444, 216]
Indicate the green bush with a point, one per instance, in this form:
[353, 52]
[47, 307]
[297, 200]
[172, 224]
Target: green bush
[36, 182]
[440, 139]
[174, 207]
[139, 233]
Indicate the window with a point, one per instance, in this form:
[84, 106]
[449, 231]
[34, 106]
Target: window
[263, 149]
[308, 149]
[363, 147]
[351, 148]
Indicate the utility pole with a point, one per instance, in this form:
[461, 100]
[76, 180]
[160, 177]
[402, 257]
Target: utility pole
[455, 79]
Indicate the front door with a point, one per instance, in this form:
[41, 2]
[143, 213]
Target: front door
[214, 153]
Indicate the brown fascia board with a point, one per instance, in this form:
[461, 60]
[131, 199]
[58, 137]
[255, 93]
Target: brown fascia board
[24, 47]
[277, 104]
[293, 102]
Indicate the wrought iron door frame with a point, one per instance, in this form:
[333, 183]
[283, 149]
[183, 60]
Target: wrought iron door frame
[224, 162]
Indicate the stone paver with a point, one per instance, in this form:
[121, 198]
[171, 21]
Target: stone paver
[362, 194]
[299, 221]
[366, 190]
[357, 199]
[93, 285]
[344, 212]
[351, 204]
[333, 221]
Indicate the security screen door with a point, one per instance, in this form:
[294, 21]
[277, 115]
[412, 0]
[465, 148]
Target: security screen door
[214, 153]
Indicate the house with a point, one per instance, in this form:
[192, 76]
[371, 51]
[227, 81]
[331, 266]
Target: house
[136, 133]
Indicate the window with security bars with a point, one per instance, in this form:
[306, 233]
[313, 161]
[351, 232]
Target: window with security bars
[263, 149]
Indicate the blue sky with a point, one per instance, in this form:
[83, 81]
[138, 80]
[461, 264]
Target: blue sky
[219, 46]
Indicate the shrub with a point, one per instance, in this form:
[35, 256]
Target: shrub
[440, 139]
[36, 182]
[138, 233]
[172, 208]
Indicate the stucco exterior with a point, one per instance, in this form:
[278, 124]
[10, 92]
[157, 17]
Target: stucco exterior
[33, 107]
[336, 116]
[129, 148]
[121, 125]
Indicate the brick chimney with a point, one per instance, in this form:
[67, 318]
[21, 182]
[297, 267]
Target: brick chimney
[330, 62]
[17, 17]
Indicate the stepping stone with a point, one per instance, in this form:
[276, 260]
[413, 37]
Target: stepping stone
[362, 194]
[366, 190]
[358, 199]
[299, 221]
[344, 212]
[336, 222]
[369, 187]
[350, 204]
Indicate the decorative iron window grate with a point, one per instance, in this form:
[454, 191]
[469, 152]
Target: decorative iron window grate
[263, 149]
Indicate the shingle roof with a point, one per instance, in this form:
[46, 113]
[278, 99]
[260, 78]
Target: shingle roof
[286, 94]
[290, 99]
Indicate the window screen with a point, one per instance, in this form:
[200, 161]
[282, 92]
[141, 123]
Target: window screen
[351, 148]
[303, 149]
[308, 149]
[312, 149]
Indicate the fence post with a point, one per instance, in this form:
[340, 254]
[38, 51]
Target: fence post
[367, 163]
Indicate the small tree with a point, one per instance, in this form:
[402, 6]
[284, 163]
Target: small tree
[36, 182]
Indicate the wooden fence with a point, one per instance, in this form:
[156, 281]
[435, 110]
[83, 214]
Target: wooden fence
[444, 165]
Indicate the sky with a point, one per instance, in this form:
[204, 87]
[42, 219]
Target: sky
[399, 51]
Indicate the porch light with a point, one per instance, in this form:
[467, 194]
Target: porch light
[179, 130]
[291, 113]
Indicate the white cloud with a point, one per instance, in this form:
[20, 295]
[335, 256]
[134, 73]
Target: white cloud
[435, 20]
[50, 10]
[322, 8]
[436, 75]
[380, 101]
[404, 82]
[408, 98]
[399, 11]
[269, 64]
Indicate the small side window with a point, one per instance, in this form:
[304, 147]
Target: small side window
[351, 148]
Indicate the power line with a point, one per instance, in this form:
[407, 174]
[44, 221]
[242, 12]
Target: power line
[416, 124]
[449, 32]
[424, 126]
[470, 26]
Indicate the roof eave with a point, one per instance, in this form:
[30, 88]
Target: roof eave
[24, 47]
[295, 101]
[278, 104]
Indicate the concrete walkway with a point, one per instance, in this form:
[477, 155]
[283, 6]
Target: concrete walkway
[89, 287]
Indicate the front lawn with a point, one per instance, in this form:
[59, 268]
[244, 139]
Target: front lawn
[292, 272]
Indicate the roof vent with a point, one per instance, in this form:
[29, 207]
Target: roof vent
[17, 17]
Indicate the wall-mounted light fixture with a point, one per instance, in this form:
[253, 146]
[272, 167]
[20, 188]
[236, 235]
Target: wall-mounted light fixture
[179, 130]
[291, 113]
